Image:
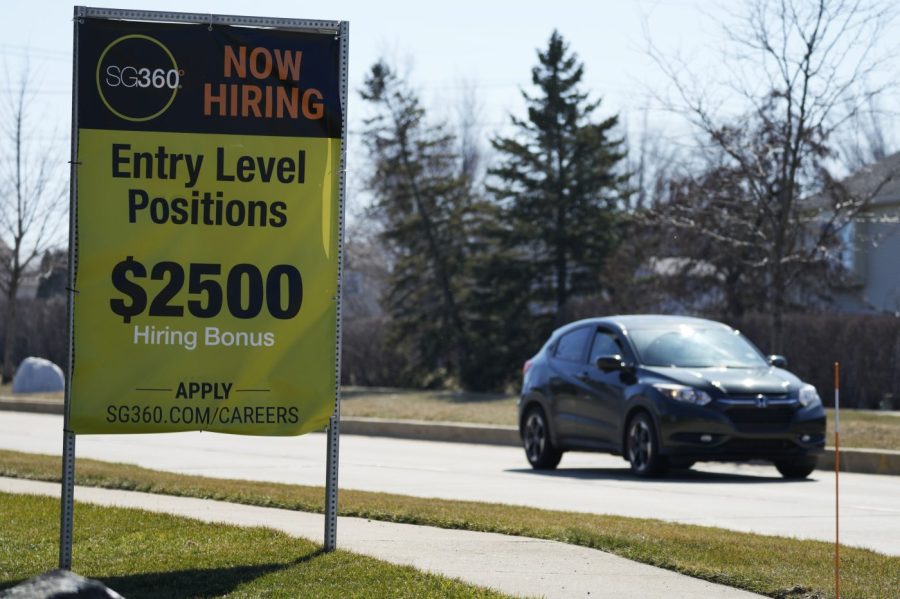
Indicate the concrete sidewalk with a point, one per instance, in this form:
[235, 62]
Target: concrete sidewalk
[514, 565]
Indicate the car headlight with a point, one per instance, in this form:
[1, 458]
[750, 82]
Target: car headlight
[809, 396]
[685, 394]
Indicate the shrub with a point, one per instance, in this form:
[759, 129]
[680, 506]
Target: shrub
[867, 347]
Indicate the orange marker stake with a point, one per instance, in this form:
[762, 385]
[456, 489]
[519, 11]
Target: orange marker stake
[837, 463]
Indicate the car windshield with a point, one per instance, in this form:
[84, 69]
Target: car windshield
[687, 346]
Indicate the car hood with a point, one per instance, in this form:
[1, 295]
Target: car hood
[732, 381]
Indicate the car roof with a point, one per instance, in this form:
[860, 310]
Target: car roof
[624, 322]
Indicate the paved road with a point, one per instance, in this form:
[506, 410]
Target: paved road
[745, 497]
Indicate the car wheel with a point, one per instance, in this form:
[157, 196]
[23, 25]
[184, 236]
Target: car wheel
[642, 447]
[542, 454]
[796, 469]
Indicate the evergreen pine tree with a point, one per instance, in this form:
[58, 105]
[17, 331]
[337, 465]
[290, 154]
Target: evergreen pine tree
[559, 183]
[420, 200]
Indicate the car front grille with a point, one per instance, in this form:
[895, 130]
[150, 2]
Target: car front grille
[758, 420]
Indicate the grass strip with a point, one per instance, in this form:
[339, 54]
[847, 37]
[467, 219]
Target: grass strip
[142, 554]
[773, 566]
[865, 429]
[859, 428]
[433, 406]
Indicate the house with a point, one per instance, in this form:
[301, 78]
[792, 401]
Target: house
[871, 252]
[43, 280]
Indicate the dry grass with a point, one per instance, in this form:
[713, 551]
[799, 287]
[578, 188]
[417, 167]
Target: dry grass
[446, 406]
[859, 428]
[872, 430]
[6, 391]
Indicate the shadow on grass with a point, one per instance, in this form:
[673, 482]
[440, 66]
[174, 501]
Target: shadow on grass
[211, 582]
[674, 476]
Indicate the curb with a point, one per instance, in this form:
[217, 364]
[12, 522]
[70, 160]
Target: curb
[862, 461]
[422, 430]
[40, 406]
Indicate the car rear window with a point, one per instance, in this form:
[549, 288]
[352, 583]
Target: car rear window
[571, 345]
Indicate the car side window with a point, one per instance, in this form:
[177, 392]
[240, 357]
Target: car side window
[571, 345]
[605, 344]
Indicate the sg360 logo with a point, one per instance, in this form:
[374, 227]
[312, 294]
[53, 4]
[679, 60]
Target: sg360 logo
[138, 77]
[142, 77]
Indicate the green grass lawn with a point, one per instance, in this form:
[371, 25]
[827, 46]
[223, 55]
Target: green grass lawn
[141, 554]
[773, 566]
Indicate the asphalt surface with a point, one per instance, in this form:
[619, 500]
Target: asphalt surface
[740, 497]
[514, 565]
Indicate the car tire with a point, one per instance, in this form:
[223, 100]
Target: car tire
[796, 469]
[542, 454]
[642, 447]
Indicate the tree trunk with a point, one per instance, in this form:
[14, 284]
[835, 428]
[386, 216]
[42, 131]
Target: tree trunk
[776, 336]
[9, 335]
[561, 274]
[463, 355]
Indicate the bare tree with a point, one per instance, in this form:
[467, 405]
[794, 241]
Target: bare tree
[30, 204]
[801, 68]
[470, 133]
[867, 139]
[651, 162]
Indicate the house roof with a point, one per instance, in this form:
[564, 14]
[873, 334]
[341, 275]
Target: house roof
[885, 172]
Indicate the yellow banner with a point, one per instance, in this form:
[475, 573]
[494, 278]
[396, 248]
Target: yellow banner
[206, 283]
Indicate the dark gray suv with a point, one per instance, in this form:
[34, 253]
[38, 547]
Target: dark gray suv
[666, 391]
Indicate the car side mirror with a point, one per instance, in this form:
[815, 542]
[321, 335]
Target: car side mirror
[778, 361]
[610, 363]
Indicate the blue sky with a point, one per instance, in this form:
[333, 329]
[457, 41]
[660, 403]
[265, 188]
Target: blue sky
[487, 45]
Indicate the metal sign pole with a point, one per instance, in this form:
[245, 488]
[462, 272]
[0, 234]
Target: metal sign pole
[66, 510]
[331, 481]
[837, 468]
[67, 493]
[334, 425]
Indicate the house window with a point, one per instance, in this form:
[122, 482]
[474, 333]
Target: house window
[848, 246]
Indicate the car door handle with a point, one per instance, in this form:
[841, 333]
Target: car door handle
[584, 376]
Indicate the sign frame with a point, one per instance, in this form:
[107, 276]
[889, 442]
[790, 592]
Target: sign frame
[341, 30]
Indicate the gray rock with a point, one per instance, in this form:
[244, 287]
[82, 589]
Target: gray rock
[60, 584]
[37, 375]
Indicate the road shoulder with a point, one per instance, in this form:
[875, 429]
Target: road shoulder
[861, 461]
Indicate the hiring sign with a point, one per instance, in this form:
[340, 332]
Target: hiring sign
[207, 226]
